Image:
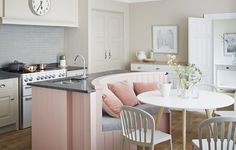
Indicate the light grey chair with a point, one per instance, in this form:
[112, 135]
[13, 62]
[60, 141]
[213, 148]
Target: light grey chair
[138, 127]
[218, 133]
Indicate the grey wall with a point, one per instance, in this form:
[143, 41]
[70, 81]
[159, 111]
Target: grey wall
[30, 44]
[166, 12]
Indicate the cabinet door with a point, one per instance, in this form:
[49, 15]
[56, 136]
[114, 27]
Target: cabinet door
[115, 43]
[99, 41]
[7, 109]
[200, 47]
[107, 41]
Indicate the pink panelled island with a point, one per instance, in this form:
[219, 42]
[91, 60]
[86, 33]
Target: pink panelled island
[67, 113]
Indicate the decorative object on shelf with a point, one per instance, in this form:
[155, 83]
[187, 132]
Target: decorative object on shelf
[40, 7]
[229, 40]
[141, 55]
[188, 75]
[62, 60]
[165, 39]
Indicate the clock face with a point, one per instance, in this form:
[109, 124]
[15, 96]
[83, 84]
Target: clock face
[40, 7]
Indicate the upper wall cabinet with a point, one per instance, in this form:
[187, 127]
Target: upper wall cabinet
[40, 12]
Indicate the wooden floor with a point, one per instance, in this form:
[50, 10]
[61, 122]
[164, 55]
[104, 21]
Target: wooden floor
[21, 140]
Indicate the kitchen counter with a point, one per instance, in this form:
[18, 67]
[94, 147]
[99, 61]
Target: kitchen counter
[78, 85]
[6, 75]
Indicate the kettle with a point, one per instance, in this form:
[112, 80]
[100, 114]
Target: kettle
[141, 55]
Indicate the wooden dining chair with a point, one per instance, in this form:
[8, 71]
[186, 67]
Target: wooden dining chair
[138, 127]
[218, 133]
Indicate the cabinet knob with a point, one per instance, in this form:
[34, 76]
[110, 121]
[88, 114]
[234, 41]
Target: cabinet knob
[2, 86]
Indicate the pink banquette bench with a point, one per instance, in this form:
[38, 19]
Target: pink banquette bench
[108, 129]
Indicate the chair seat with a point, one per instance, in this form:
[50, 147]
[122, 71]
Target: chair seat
[195, 143]
[159, 136]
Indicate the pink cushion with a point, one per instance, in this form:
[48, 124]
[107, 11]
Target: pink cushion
[140, 87]
[111, 104]
[124, 91]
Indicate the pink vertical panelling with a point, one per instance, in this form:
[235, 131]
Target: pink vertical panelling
[49, 119]
[77, 123]
[117, 140]
[108, 141]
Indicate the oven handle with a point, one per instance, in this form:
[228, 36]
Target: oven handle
[27, 87]
[28, 99]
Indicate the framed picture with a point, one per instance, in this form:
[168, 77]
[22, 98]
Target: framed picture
[229, 43]
[165, 39]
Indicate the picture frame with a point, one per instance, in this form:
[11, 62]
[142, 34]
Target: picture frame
[229, 43]
[165, 39]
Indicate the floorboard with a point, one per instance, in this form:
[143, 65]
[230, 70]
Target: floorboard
[21, 140]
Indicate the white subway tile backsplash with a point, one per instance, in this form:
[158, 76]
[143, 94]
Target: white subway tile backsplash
[30, 44]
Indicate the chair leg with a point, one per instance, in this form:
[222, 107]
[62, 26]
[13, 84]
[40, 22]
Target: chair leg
[189, 121]
[171, 145]
[152, 147]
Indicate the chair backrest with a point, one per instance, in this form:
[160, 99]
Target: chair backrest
[138, 126]
[220, 133]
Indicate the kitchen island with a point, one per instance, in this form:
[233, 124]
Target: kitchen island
[64, 113]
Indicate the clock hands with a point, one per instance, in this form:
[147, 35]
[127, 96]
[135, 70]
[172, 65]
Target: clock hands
[40, 6]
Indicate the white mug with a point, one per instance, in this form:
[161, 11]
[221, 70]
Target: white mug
[165, 89]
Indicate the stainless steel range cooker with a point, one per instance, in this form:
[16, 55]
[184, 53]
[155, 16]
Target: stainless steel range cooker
[26, 93]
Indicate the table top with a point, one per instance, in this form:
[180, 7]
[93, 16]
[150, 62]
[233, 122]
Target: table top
[206, 100]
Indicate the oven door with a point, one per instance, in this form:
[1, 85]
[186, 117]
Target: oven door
[27, 111]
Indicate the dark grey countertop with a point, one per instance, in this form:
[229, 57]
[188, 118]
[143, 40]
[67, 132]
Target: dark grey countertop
[82, 85]
[7, 75]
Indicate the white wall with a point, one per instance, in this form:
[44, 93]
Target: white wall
[166, 12]
[220, 27]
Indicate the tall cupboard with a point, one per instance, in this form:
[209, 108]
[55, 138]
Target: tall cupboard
[107, 41]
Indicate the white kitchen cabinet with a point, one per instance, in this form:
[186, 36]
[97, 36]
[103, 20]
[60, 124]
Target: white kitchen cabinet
[61, 13]
[107, 44]
[152, 67]
[74, 73]
[9, 102]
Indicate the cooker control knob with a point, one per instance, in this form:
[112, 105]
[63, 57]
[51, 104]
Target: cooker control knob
[49, 76]
[38, 78]
[26, 80]
[53, 76]
[46, 77]
[42, 77]
[31, 79]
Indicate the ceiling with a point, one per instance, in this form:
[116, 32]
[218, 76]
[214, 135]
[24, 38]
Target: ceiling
[136, 1]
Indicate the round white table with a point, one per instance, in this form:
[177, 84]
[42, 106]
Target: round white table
[206, 100]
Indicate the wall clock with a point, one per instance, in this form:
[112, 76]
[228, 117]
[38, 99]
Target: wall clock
[40, 7]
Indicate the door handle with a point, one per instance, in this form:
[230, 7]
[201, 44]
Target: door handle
[28, 99]
[109, 54]
[106, 55]
[2, 86]
[28, 87]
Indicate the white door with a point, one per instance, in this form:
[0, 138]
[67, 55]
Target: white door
[200, 50]
[99, 48]
[115, 40]
[7, 109]
[107, 41]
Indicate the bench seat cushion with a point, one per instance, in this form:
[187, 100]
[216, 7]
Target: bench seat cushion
[111, 124]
